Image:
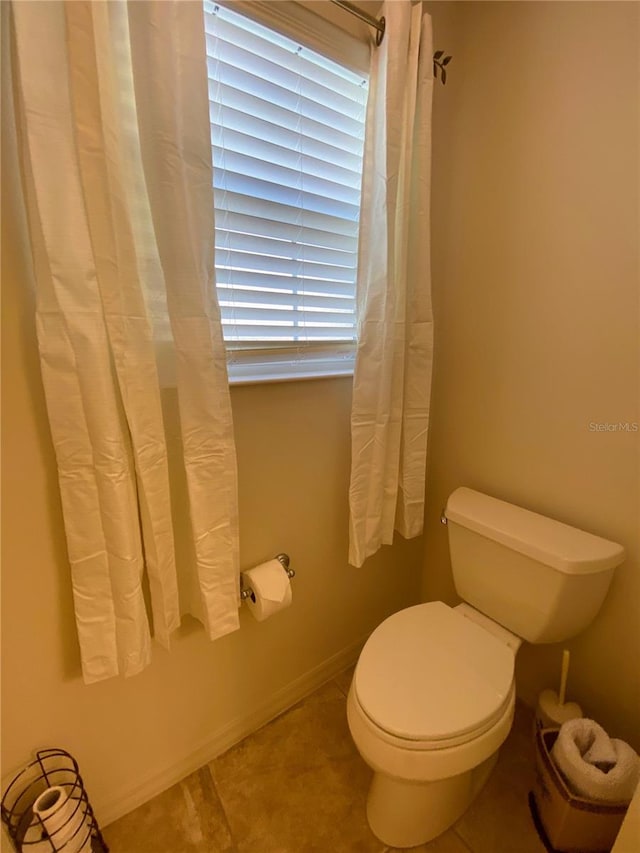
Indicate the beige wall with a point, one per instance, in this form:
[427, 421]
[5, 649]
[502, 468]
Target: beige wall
[135, 736]
[536, 292]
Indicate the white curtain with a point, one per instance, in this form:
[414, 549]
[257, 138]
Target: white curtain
[97, 221]
[392, 380]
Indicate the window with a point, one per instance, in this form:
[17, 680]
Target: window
[287, 131]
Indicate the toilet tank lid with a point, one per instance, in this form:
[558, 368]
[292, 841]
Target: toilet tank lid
[551, 542]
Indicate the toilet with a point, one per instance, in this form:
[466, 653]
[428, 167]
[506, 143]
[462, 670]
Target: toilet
[433, 693]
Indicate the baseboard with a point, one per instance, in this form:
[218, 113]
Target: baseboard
[227, 736]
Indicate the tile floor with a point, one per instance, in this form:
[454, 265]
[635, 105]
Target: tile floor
[298, 785]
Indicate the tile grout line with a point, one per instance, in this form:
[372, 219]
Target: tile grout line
[336, 680]
[452, 829]
[337, 684]
[461, 840]
[214, 781]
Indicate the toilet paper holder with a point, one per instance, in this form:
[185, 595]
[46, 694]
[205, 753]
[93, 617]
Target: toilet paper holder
[53, 769]
[283, 559]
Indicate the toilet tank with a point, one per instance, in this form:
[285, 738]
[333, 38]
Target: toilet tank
[541, 579]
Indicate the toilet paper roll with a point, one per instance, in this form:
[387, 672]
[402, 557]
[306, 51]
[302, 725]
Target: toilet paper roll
[64, 819]
[52, 808]
[37, 841]
[271, 589]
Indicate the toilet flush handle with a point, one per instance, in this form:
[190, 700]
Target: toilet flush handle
[443, 517]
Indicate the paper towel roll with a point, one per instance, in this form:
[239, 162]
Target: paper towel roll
[271, 589]
[65, 819]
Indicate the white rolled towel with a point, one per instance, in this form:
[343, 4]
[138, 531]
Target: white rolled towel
[594, 765]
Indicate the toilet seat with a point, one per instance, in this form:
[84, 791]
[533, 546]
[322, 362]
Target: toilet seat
[429, 678]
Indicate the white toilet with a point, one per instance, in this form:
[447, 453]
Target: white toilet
[433, 693]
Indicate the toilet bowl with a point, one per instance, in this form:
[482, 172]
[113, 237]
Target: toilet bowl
[432, 700]
[433, 694]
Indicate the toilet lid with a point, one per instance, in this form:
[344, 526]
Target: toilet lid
[429, 673]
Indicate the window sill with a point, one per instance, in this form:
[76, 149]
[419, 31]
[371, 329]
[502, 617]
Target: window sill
[253, 365]
[257, 366]
[248, 378]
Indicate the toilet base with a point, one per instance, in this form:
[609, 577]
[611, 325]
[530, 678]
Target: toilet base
[404, 813]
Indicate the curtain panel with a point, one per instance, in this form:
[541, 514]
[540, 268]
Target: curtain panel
[392, 379]
[99, 206]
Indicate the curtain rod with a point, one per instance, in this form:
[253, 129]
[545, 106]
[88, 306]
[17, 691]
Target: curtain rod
[439, 59]
[377, 23]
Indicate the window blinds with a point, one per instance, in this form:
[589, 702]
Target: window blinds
[287, 130]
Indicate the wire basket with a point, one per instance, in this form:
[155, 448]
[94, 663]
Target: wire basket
[46, 808]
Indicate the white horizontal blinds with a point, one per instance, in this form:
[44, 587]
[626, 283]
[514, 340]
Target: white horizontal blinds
[287, 130]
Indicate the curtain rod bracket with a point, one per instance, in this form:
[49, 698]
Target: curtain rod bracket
[379, 25]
